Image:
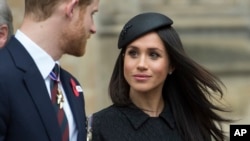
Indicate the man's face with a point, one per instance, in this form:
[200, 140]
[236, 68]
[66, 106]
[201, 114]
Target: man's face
[3, 34]
[74, 38]
[89, 19]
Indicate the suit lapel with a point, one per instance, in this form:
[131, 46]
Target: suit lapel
[36, 87]
[40, 96]
[76, 104]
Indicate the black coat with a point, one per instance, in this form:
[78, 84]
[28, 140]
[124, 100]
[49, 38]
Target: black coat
[131, 124]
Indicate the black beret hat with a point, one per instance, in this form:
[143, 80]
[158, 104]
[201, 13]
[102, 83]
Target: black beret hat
[140, 25]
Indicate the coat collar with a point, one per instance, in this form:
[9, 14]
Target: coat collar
[137, 117]
[76, 103]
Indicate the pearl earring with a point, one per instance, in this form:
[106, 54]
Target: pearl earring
[170, 73]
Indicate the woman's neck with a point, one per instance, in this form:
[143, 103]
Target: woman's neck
[152, 113]
[150, 103]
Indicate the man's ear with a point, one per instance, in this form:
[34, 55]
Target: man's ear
[71, 5]
[3, 35]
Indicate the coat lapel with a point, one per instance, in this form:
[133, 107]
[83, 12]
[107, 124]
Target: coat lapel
[40, 96]
[36, 87]
[76, 104]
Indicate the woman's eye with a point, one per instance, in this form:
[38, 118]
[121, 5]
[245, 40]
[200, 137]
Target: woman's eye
[132, 53]
[154, 55]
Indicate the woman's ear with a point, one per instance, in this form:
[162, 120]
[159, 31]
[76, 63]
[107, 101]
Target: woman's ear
[3, 35]
[71, 5]
[171, 69]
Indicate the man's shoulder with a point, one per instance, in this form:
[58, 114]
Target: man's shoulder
[6, 61]
[11, 50]
[12, 42]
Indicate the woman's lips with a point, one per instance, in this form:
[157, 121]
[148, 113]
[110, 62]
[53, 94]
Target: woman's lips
[141, 77]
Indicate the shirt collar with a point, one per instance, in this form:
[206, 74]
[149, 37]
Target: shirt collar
[42, 59]
[137, 117]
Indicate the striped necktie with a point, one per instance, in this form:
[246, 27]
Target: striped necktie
[57, 101]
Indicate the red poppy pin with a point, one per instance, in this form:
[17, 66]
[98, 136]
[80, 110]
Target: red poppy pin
[76, 89]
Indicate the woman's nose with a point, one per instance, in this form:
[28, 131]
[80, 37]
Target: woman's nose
[142, 64]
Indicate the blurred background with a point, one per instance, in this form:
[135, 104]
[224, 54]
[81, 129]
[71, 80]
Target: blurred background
[215, 33]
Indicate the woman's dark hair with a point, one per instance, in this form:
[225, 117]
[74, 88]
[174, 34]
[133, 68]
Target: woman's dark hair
[188, 91]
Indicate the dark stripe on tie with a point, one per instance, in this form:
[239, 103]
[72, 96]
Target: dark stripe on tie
[61, 117]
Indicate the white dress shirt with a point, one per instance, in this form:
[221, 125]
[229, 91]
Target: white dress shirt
[45, 64]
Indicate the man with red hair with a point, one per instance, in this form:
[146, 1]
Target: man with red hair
[38, 103]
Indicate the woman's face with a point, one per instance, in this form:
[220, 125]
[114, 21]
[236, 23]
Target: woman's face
[146, 63]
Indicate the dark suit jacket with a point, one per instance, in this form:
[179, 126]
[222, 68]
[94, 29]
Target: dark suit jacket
[26, 112]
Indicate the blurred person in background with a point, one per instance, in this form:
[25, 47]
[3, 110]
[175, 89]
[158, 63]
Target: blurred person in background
[6, 23]
[158, 92]
[39, 100]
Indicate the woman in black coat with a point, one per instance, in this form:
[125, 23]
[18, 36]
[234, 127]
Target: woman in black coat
[158, 92]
